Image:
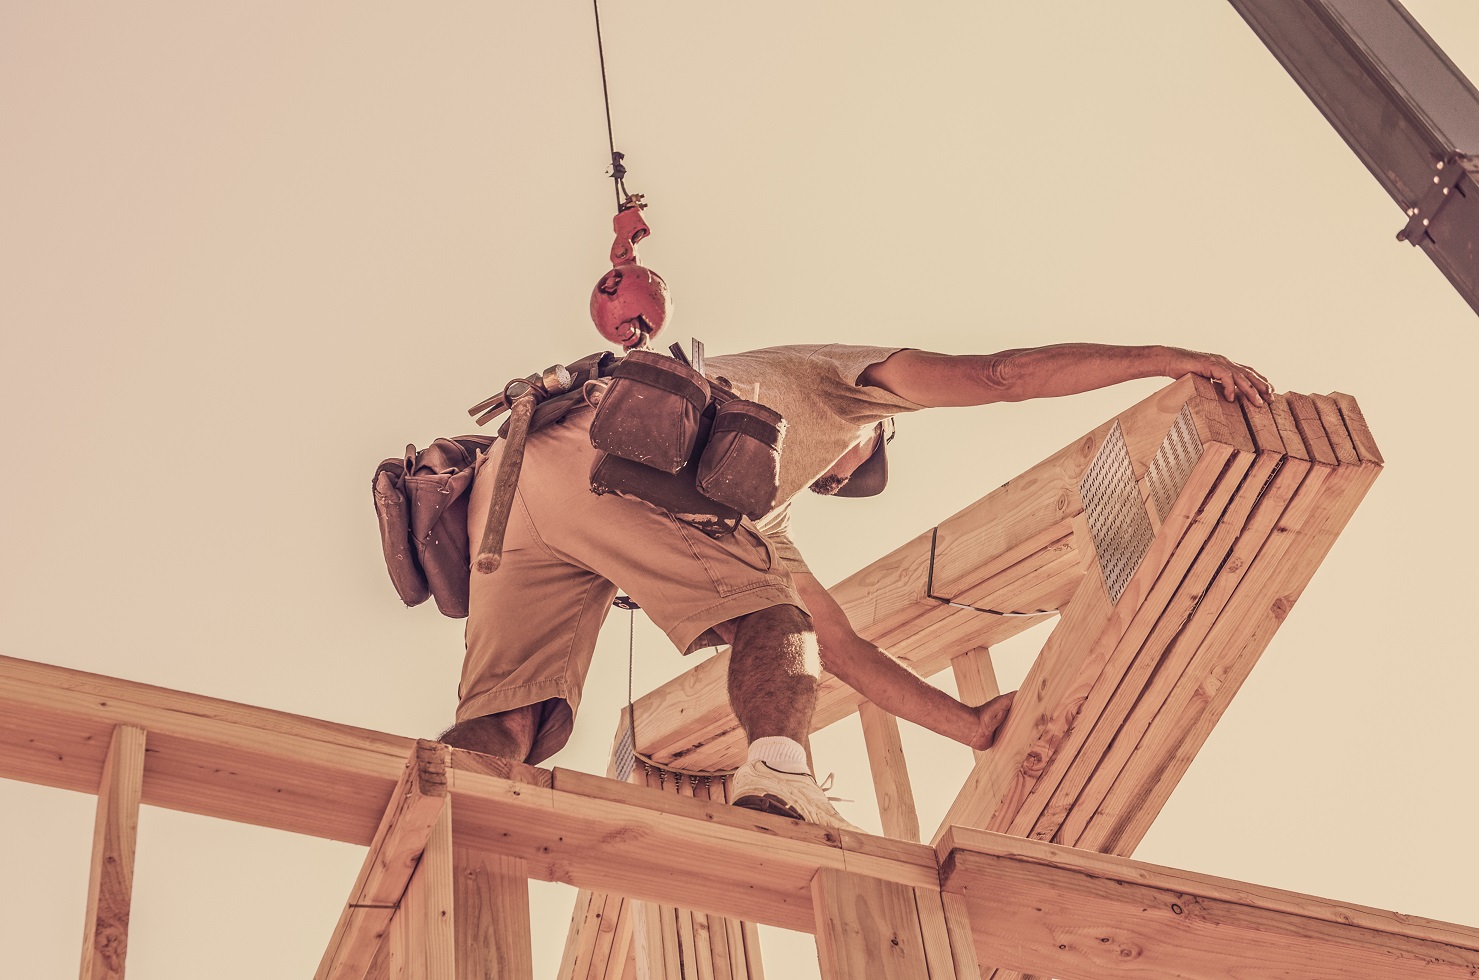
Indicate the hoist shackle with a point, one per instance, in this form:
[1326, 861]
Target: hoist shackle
[630, 228]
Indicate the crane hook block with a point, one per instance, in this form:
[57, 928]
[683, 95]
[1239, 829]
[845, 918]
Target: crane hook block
[630, 304]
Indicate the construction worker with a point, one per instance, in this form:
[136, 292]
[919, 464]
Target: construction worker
[532, 624]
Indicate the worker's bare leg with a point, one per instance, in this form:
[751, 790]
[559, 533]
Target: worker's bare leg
[509, 734]
[773, 671]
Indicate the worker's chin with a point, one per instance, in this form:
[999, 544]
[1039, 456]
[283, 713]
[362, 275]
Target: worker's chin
[828, 485]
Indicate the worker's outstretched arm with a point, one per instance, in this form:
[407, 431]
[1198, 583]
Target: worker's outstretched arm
[888, 683]
[937, 380]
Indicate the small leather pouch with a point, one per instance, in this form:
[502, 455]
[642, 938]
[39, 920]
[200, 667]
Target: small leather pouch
[651, 412]
[673, 492]
[421, 503]
[740, 466]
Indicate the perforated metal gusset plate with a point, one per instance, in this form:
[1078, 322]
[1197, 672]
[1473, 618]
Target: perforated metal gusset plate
[1118, 520]
[1173, 462]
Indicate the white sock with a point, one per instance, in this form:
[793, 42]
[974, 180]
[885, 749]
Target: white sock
[780, 753]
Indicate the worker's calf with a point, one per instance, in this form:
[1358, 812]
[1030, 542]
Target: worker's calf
[774, 664]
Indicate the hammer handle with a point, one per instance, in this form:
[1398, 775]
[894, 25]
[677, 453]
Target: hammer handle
[490, 552]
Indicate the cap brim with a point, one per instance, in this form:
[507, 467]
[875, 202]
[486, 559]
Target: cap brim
[870, 478]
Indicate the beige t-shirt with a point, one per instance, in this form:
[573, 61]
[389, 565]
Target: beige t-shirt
[815, 388]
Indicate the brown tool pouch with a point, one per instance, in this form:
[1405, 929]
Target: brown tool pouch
[673, 492]
[741, 464]
[651, 413]
[421, 503]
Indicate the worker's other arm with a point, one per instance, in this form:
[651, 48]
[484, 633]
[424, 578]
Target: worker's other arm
[888, 683]
[938, 380]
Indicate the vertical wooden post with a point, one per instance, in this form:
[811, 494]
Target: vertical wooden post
[890, 773]
[422, 939]
[114, 838]
[491, 902]
[867, 927]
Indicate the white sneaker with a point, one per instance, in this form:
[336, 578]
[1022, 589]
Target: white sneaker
[757, 786]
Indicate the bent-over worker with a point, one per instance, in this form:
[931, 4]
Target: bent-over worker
[532, 624]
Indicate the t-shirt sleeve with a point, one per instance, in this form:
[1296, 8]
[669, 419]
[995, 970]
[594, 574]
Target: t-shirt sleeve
[837, 368]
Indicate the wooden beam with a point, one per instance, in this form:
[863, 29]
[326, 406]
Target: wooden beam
[414, 810]
[114, 838]
[1224, 660]
[208, 756]
[890, 772]
[1087, 649]
[1062, 912]
[423, 938]
[490, 914]
[870, 928]
[1140, 659]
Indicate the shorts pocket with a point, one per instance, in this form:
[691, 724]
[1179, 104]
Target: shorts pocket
[734, 562]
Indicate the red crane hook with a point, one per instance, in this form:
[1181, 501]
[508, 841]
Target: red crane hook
[630, 304]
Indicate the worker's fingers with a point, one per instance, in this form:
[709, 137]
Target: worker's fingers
[990, 717]
[1238, 380]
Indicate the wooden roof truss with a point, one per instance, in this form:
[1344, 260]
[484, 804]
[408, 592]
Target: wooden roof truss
[1217, 516]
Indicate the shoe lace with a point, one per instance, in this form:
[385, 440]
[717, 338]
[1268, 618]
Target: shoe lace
[826, 785]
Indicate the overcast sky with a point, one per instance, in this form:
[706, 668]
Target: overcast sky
[250, 250]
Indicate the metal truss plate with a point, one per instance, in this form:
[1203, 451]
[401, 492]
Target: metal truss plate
[1118, 520]
[1173, 462]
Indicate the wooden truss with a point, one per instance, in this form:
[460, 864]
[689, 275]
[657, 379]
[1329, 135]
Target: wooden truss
[1172, 541]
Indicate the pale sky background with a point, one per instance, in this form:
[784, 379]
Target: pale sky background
[272, 243]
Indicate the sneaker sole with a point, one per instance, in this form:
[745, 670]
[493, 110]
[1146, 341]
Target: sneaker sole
[765, 803]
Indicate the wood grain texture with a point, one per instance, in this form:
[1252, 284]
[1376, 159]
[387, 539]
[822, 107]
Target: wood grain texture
[1264, 597]
[415, 807]
[890, 772]
[1052, 697]
[423, 936]
[1355, 422]
[1071, 914]
[114, 841]
[1206, 534]
[491, 915]
[867, 928]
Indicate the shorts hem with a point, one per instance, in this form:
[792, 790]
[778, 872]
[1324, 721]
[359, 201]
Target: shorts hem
[508, 698]
[691, 627]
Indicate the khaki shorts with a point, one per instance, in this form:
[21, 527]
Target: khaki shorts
[532, 624]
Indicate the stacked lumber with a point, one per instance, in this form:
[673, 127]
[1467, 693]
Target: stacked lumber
[1124, 696]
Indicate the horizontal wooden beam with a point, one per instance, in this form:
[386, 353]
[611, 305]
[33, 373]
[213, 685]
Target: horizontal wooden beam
[609, 836]
[207, 756]
[1049, 910]
[276, 770]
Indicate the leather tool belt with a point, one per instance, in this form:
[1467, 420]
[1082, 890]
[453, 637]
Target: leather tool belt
[699, 451]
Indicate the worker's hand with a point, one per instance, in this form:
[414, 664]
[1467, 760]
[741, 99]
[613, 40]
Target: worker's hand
[1233, 378]
[990, 716]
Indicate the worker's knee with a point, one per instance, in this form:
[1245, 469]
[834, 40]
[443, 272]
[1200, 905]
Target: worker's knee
[783, 634]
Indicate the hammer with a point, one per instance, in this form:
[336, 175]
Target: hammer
[520, 396]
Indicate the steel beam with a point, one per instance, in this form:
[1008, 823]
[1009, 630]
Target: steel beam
[1400, 104]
